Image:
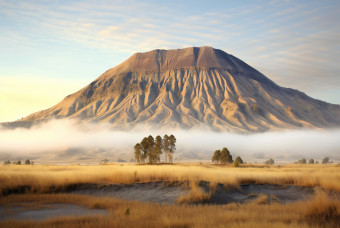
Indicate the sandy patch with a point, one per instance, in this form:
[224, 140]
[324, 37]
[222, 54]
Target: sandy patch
[161, 192]
[48, 211]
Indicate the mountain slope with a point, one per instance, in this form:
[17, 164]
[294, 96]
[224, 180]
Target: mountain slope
[191, 87]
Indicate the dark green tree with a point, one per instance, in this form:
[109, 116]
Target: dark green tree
[172, 145]
[239, 160]
[138, 154]
[145, 147]
[216, 157]
[325, 160]
[151, 150]
[311, 161]
[302, 161]
[270, 162]
[27, 162]
[7, 162]
[158, 147]
[18, 163]
[226, 156]
[166, 147]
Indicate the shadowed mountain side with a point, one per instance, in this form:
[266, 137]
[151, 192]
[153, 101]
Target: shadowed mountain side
[191, 87]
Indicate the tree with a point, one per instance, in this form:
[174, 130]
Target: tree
[311, 161]
[138, 154]
[325, 160]
[18, 163]
[239, 160]
[27, 162]
[145, 148]
[217, 156]
[166, 146]
[7, 162]
[270, 162]
[226, 156]
[151, 150]
[158, 147]
[172, 145]
[104, 161]
[302, 161]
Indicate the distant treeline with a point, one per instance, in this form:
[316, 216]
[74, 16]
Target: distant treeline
[151, 149]
[27, 162]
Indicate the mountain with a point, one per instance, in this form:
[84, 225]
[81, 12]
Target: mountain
[189, 88]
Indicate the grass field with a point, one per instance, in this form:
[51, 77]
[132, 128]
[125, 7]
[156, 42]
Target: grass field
[40, 182]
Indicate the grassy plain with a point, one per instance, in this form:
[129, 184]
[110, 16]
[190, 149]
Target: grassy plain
[40, 181]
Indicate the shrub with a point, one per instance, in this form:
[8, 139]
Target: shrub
[302, 161]
[325, 160]
[270, 162]
[7, 162]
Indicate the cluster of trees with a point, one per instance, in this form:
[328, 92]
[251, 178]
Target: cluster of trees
[311, 161]
[27, 162]
[223, 156]
[151, 149]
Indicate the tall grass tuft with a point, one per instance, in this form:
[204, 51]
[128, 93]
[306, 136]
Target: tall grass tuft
[323, 210]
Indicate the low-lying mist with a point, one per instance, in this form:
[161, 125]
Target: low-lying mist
[64, 141]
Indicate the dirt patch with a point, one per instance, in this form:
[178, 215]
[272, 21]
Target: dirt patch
[47, 211]
[162, 192]
[159, 192]
[253, 192]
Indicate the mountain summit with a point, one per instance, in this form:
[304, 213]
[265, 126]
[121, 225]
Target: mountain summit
[187, 88]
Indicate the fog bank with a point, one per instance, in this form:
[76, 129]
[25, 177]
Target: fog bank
[64, 141]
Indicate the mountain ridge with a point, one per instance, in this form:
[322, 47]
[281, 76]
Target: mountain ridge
[188, 88]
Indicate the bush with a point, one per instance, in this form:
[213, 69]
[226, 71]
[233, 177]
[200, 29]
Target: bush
[236, 163]
[270, 162]
[302, 161]
[325, 160]
[7, 162]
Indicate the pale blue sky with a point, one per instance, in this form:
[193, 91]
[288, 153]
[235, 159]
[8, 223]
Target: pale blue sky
[49, 49]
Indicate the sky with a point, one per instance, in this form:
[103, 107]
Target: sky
[52, 48]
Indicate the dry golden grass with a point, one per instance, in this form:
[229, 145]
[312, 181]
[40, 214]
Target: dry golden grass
[322, 211]
[45, 178]
[314, 213]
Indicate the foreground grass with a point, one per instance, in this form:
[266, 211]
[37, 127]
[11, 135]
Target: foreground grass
[321, 211]
[45, 178]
